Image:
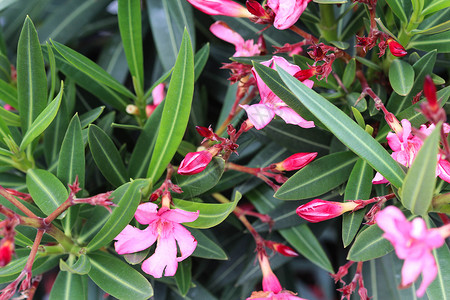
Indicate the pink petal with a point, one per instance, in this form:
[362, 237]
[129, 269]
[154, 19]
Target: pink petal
[291, 117]
[281, 62]
[158, 94]
[429, 272]
[180, 216]
[389, 219]
[259, 114]
[287, 12]
[434, 239]
[132, 239]
[221, 7]
[443, 170]
[146, 213]
[406, 125]
[394, 141]
[418, 229]
[410, 271]
[378, 179]
[186, 242]
[164, 258]
[224, 32]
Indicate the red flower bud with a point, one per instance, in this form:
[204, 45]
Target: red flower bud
[255, 8]
[396, 48]
[305, 74]
[296, 161]
[194, 162]
[284, 250]
[430, 93]
[320, 210]
[6, 252]
[205, 132]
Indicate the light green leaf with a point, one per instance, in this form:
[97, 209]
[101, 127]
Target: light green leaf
[418, 187]
[91, 69]
[118, 278]
[69, 286]
[434, 6]
[401, 77]
[318, 177]
[129, 15]
[46, 190]
[306, 243]
[81, 267]
[31, 77]
[8, 94]
[349, 73]
[438, 41]
[176, 111]
[432, 30]
[358, 187]
[211, 214]
[398, 9]
[42, 121]
[347, 131]
[106, 156]
[10, 118]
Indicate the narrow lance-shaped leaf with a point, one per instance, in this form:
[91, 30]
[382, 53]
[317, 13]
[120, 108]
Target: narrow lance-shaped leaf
[176, 110]
[418, 187]
[347, 131]
[31, 77]
[183, 276]
[69, 286]
[42, 121]
[369, 244]
[129, 15]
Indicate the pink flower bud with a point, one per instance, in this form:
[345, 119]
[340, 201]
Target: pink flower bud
[255, 8]
[430, 93]
[320, 210]
[284, 250]
[6, 252]
[194, 162]
[305, 74]
[396, 48]
[221, 7]
[296, 161]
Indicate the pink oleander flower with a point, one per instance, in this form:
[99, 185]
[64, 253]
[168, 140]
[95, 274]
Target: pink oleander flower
[221, 7]
[287, 12]
[270, 105]
[405, 147]
[243, 47]
[158, 95]
[414, 243]
[164, 228]
[320, 210]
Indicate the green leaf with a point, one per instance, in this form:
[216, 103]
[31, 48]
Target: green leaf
[369, 64]
[90, 116]
[168, 19]
[143, 149]
[118, 278]
[69, 286]
[432, 30]
[318, 177]
[398, 9]
[210, 214]
[358, 187]
[8, 94]
[347, 131]
[306, 243]
[369, 244]
[200, 59]
[183, 276]
[11, 119]
[176, 111]
[120, 217]
[193, 185]
[46, 190]
[418, 187]
[349, 73]
[434, 6]
[129, 15]
[31, 77]
[91, 69]
[42, 121]
[106, 156]
[401, 77]
[207, 248]
[81, 267]
[439, 41]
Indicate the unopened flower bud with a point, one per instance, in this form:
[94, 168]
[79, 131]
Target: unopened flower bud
[284, 250]
[430, 93]
[6, 251]
[132, 109]
[305, 74]
[320, 210]
[396, 48]
[221, 7]
[195, 162]
[255, 8]
[207, 133]
[149, 109]
[296, 161]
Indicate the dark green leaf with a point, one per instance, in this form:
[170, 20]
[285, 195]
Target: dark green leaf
[183, 276]
[207, 248]
[90, 116]
[200, 59]
[439, 41]
[398, 9]
[358, 187]
[401, 77]
[8, 94]
[418, 187]
[349, 73]
[176, 111]
[120, 217]
[31, 77]
[318, 177]
[347, 131]
[46, 190]
[118, 278]
[369, 244]
[106, 156]
[11, 119]
[69, 286]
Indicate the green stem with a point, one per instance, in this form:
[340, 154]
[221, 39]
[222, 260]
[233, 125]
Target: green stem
[328, 24]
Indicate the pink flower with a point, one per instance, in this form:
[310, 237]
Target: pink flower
[164, 228]
[287, 12]
[221, 7]
[243, 48]
[413, 242]
[320, 210]
[262, 113]
[158, 95]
